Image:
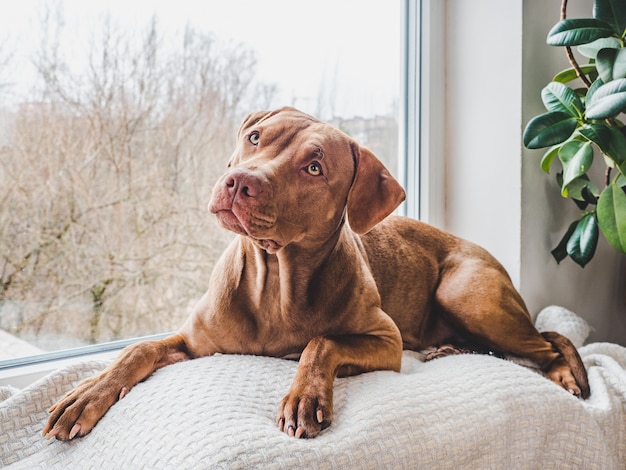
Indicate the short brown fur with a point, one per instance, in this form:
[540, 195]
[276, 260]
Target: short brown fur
[321, 270]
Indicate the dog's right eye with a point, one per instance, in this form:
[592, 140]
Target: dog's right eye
[254, 138]
[314, 169]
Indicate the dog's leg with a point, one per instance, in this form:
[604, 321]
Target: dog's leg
[571, 364]
[79, 411]
[452, 350]
[481, 302]
[308, 406]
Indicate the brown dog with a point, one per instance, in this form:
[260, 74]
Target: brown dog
[319, 270]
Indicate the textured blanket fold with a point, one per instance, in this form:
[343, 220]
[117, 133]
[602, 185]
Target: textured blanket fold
[467, 411]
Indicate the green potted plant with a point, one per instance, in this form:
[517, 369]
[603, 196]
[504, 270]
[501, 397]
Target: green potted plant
[581, 124]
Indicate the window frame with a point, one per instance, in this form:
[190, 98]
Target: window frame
[422, 131]
[421, 166]
[23, 371]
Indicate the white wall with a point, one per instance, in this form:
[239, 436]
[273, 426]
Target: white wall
[497, 62]
[483, 86]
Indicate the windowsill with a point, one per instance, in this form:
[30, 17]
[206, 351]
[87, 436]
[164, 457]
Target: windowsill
[22, 372]
[24, 375]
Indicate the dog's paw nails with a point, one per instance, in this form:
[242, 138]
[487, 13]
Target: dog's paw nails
[300, 432]
[123, 392]
[49, 434]
[320, 416]
[575, 391]
[75, 430]
[291, 430]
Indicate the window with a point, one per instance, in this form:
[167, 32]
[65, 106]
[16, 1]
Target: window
[116, 118]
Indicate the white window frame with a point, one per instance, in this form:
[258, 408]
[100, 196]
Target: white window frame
[421, 165]
[422, 134]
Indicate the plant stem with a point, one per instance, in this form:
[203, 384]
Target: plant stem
[570, 54]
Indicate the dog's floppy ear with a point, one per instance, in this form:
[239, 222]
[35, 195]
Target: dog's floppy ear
[374, 193]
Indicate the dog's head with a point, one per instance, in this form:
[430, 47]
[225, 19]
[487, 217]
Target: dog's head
[293, 179]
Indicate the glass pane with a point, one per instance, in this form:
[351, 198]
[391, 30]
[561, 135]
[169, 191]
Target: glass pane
[116, 118]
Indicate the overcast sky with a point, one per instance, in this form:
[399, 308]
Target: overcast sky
[355, 43]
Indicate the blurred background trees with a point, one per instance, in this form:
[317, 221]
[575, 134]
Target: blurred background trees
[105, 175]
[106, 170]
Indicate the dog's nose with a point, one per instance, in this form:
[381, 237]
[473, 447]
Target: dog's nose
[243, 183]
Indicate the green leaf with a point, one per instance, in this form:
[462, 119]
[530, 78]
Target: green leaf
[582, 205]
[559, 97]
[608, 100]
[576, 31]
[598, 133]
[582, 244]
[567, 75]
[591, 50]
[589, 195]
[592, 90]
[582, 189]
[609, 140]
[548, 158]
[612, 12]
[617, 147]
[576, 158]
[612, 216]
[549, 129]
[611, 64]
[560, 252]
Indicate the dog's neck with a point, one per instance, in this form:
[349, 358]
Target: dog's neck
[293, 273]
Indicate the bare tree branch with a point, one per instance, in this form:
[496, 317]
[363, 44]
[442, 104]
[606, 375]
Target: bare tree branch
[106, 176]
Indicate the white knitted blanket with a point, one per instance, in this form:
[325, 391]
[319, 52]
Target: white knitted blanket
[466, 411]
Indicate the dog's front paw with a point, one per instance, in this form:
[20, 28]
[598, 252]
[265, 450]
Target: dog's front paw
[78, 412]
[305, 411]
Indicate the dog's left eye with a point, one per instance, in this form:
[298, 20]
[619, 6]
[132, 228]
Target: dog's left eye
[254, 138]
[314, 169]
